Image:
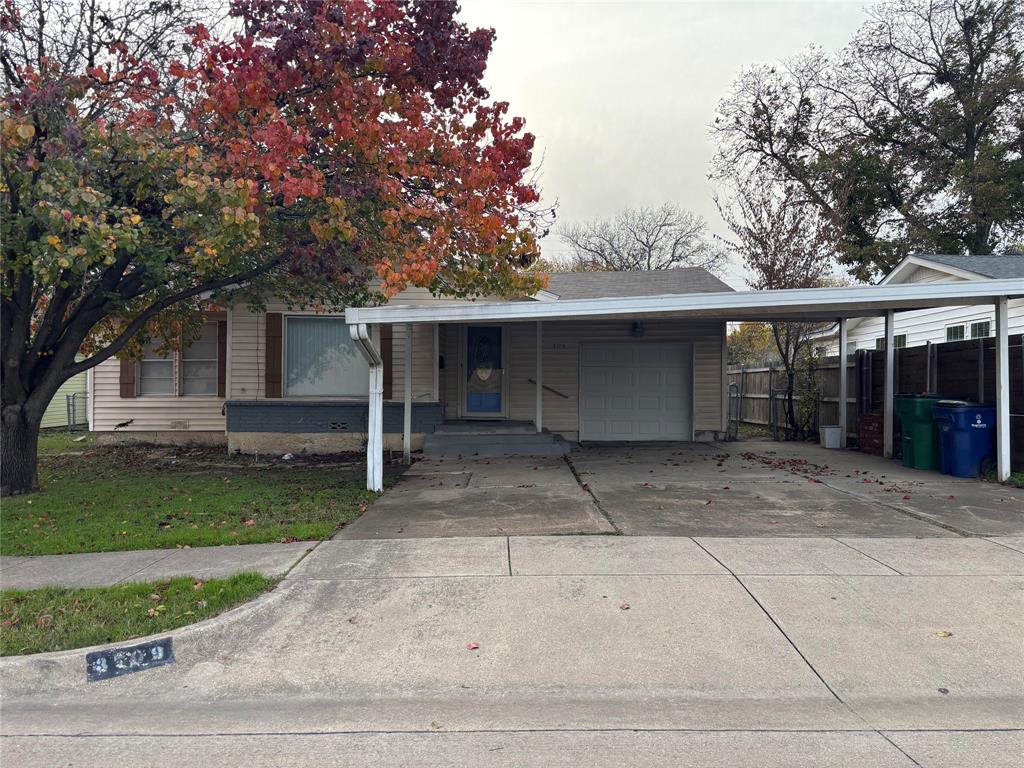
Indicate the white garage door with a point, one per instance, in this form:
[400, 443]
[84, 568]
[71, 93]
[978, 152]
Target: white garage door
[636, 391]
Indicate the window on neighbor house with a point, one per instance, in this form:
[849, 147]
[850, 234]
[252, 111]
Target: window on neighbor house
[156, 372]
[981, 330]
[955, 333]
[321, 360]
[898, 341]
[199, 363]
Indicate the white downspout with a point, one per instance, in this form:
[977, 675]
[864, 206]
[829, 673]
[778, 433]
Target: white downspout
[360, 334]
[407, 392]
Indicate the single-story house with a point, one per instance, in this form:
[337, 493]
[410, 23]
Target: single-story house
[937, 324]
[594, 357]
[291, 380]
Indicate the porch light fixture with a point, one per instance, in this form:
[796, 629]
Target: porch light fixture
[637, 330]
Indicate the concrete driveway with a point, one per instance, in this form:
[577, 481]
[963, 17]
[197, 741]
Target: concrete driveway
[562, 651]
[733, 489]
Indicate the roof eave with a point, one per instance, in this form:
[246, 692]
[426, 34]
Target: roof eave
[817, 304]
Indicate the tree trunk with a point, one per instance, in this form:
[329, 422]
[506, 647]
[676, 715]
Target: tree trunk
[794, 428]
[18, 445]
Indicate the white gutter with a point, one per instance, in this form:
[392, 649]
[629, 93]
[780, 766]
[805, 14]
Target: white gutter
[795, 304]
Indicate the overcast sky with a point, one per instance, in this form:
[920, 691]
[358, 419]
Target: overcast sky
[620, 94]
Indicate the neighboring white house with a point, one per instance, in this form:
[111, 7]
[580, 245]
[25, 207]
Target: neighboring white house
[937, 324]
[70, 401]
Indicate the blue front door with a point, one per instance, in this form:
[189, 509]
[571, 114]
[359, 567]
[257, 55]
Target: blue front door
[484, 373]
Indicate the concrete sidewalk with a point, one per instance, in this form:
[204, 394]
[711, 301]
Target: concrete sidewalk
[562, 651]
[101, 569]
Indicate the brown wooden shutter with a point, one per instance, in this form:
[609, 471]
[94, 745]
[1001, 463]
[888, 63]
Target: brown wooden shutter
[127, 378]
[272, 380]
[386, 338]
[222, 358]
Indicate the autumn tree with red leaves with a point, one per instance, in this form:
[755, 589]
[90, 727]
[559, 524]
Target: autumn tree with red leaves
[323, 148]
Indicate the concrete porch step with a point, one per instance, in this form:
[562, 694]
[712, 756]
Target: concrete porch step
[486, 428]
[506, 440]
[461, 448]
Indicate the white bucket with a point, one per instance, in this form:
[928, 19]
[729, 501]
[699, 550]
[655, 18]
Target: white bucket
[830, 436]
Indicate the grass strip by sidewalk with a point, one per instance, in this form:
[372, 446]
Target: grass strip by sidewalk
[58, 619]
[117, 498]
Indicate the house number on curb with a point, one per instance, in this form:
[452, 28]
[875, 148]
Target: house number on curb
[101, 665]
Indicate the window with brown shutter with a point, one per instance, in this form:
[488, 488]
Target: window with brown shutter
[272, 379]
[127, 378]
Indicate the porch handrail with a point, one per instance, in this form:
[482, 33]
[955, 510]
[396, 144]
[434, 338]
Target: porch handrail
[552, 390]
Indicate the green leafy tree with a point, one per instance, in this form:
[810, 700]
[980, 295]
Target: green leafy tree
[324, 145]
[751, 344]
[911, 139]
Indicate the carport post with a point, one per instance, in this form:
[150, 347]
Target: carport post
[1002, 389]
[361, 335]
[842, 382]
[407, 392]
[539, 418]
[890, 384]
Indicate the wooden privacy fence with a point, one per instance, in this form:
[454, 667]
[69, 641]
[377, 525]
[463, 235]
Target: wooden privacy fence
[965, 370]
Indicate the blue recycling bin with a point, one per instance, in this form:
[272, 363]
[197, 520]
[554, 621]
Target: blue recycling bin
[967, 436]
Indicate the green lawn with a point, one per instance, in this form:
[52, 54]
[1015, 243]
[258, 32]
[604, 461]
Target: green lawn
[56, 619]
[142, 497]
[54, 441]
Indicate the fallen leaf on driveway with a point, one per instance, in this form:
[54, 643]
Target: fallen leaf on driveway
[906, 497]
[472, 646]
[943, 633]
[624, 607]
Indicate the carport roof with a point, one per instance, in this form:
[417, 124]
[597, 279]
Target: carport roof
[817, 304]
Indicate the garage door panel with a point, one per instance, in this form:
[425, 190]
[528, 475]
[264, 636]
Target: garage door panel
[648, 355]
[636, 391]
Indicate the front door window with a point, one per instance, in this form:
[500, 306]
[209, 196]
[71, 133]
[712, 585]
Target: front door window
[484, 373]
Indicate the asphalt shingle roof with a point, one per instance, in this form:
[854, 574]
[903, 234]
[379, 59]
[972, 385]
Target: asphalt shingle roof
[658, 282]
[996, 267]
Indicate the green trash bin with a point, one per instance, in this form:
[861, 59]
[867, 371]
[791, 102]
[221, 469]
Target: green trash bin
[920, 435]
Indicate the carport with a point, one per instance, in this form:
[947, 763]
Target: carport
[814, 304]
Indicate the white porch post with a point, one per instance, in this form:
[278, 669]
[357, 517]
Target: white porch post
[374, 434]
[842, 382]
[407, 392]
[361, 335]
[890, 384]
[1002, 390]
[539, 418]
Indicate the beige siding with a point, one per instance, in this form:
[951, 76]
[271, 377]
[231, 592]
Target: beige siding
[449, 377]
[247, 350]
[149, 414]
[561, 367]
[423, 357]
